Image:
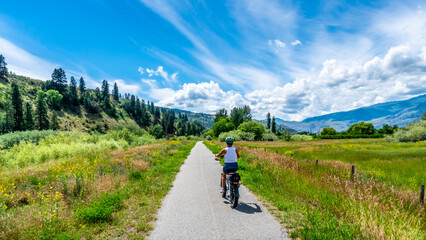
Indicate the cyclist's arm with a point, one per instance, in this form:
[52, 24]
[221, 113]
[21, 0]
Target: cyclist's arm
[223, 152]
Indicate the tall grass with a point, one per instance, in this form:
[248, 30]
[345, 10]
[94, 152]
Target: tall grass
[324, 202]
[88, 190]
[10, 139]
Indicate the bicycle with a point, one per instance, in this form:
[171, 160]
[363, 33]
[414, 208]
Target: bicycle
[232, 185]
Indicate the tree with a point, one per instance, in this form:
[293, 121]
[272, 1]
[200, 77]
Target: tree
[105, 94]
[59, 80]
[223, 125]
[257, 128]
[240, 115]
[115, 94]
[42, 121]
[8, 121]
[54, 98]
[274, 125]
[3, 68]
[361, 128]
[222, 113]
[28, 117]
[328, 131]
[157, 131]
[268, 121]
[82, 86]
[73, 95]
[17, 108]
[54, 122]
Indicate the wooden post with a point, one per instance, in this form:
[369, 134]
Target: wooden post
[353, 172]
[292, 156]
[265, 149]
[316, 162]
[277, 151]
[422, 194]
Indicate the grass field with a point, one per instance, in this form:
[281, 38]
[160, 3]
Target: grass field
[77, 185]
[324, 202]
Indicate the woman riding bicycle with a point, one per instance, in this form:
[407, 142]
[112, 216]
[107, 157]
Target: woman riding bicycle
[231, 156]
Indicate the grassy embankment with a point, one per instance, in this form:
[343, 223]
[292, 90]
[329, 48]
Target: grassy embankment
[77, 185]
[323, 202]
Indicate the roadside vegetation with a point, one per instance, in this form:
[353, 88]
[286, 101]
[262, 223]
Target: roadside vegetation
[73, 185]
[323, 201]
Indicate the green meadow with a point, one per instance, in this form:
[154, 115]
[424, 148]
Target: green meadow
[73, 185]
[381, 201]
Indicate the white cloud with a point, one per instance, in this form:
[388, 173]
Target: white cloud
[400, 74]
[160, 72]
[140, 69]
[296, 42]
[24, 63]
[123, 87]
[276, 43]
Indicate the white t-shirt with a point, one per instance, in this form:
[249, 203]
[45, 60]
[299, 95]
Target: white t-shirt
[231, 155]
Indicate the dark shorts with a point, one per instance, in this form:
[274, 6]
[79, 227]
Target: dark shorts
[230, 167]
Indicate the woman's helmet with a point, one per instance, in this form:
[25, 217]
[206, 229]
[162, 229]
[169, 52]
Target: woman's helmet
[229, 140]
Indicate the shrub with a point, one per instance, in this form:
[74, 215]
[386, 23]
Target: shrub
[298, 137]
[157, 131]
[253, 127]
[361, 128]
[209, 137]
[11, 139]
[101, 210]
[269, 136]
[223, 125]
[238, 135]
[411, 133]
[328, 131]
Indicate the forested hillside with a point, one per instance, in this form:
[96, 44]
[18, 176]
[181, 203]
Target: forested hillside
[30, 104]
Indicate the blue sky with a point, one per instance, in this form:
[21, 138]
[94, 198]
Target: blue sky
[295, 59]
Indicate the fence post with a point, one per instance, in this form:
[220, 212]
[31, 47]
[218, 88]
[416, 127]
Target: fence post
[292, 156]
[422, 194]
[353, 172]
[316, 162]
[277, 151]
[265, 149]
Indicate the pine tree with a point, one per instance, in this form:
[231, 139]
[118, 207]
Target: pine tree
[18, 113]
[73, 95]
[152, 109]
[82, 86]
[8, 122]
[157, 115]
[3, 68]
[268, 121]
[115, 93]
[105, 94]
[274, 125]
[42, 121]
[28, 117]
[98, 94]
[132, 105]
[54, 122]
[59, 80]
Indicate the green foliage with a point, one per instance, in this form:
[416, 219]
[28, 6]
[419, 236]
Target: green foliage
[328, 131]
[254, 127]
[423, 117]
[223, 125]
[268, 121]
[53, 98]
[411, 133]
[72, 92]
[58, 82]
[274, 125]
[298, 137]
[28, 117]
[101, 210]
[268, 135]
[157, 131]
[208, 137]
[240, 115]
[361, 128]
[222, 113]
[17, 108]
[11, 139]
[238, 135]
[3, 67]
[82, 86]
[386, 129]
[135, 175]
[115, 93]
[54, 122]
[41, 120]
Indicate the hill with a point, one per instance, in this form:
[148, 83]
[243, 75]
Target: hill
[398, 113]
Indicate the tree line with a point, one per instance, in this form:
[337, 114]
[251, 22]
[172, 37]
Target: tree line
[56, 95]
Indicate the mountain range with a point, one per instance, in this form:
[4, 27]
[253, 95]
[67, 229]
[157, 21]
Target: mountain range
[398, 113]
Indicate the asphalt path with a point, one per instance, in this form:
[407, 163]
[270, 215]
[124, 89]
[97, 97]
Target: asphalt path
[195, 209]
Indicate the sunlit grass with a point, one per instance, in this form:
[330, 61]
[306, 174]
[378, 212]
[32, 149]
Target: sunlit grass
[88, 189]
[324, 202]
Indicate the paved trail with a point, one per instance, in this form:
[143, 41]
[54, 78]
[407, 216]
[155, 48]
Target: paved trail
[194, 208]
